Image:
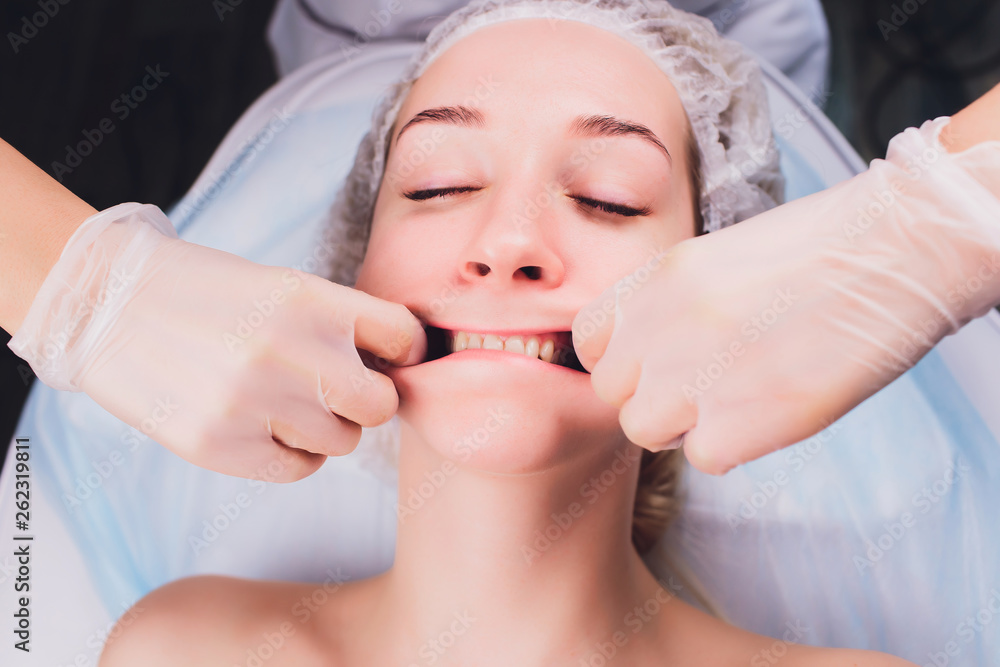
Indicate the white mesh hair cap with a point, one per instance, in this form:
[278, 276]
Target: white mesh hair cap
[719, 84]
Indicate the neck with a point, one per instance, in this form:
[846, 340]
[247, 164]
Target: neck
[534, 569]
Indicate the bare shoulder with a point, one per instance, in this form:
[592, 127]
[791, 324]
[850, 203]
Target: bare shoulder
[211, 620]
[835, 657]
[711, 641]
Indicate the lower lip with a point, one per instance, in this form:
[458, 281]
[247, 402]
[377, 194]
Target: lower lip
[479, 354]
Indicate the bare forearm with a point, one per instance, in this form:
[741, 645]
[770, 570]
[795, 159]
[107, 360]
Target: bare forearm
[976, 123]
[37, 217]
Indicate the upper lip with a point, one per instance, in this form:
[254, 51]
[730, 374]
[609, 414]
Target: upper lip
[504, 333]
[500, 331]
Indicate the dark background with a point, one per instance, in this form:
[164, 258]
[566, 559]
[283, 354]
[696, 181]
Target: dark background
[64, 79]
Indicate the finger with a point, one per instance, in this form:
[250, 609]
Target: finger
[261, 457]
[703, 458]
[319, 431]
[361, 395]
[657, 414]
[728, 435]
[712, 449]
[593, 326]
[615, 376]
[387, 329]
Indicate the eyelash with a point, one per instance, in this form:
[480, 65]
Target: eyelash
[421, 195]
[615, 209]
[607, 207]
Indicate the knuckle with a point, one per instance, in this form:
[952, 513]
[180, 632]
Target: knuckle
[704, 461]
[301, 467]
[602, 379]
[348, 439]
[371, 406]
[638, 432]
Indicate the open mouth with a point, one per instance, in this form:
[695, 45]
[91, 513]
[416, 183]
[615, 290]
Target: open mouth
[554, 347]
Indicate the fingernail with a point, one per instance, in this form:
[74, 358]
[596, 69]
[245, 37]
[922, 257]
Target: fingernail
[676, 443]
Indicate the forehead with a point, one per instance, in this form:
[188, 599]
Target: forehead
[547, 71]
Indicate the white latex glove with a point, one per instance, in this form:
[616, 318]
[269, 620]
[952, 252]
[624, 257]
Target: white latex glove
[240, 368]
[750, 339]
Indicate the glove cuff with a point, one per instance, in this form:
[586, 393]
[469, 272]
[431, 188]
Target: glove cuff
[86, 290]
[955, 199]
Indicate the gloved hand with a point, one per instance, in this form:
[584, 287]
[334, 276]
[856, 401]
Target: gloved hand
[749, 339]
[240, 368]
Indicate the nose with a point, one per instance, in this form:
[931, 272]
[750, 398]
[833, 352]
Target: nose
[515, 245]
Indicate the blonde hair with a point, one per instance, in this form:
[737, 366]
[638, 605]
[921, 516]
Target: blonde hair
[658, 497]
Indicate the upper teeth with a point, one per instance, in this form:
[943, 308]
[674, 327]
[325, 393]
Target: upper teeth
[534, 348]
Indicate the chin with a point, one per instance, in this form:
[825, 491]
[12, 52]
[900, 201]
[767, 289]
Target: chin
[503, 413]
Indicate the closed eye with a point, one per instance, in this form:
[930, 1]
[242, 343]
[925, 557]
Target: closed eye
[616, 209]
[607, 207]
[421, 195]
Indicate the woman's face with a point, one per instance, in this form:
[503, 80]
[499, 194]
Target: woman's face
[533, 164]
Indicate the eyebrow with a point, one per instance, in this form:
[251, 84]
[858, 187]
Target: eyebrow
[460, 115]
[591, 126]
[609, 126]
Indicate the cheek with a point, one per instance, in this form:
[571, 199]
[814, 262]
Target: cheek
[387, 263]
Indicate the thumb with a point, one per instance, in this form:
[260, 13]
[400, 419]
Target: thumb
[385, 328]
[593, 327]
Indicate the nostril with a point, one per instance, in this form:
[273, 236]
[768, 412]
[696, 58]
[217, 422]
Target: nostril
[533, 272]
[482, 269]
